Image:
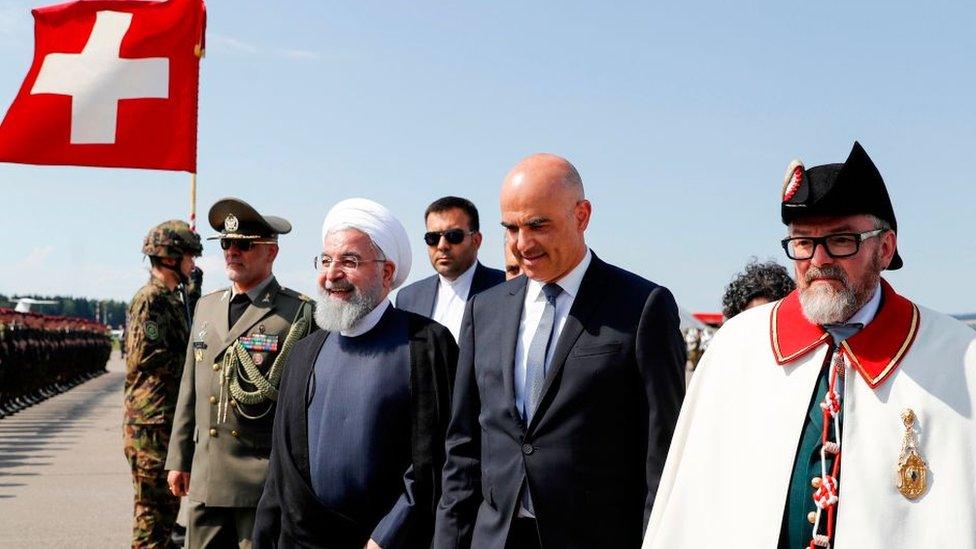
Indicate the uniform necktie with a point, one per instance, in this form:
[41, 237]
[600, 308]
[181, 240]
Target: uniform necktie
[535, 375]
[840, 332]
[238, 304]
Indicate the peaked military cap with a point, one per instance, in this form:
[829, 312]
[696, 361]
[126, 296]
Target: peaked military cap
[832, 190]
[235, 218]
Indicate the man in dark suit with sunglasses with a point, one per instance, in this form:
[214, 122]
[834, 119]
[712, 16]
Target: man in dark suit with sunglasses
[452, 239]
[221, 440]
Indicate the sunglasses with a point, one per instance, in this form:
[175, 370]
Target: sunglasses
[241, 243]
[453, 236]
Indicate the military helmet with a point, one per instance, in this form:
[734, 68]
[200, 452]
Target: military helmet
[172, 238]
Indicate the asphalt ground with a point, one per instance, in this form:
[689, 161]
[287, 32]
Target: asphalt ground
[63, 479]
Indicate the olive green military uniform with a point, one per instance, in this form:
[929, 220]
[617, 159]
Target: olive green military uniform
[228, 393]
[155, 352]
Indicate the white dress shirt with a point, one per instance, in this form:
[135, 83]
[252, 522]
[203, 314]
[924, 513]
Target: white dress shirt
[532, 309]
[452, 295]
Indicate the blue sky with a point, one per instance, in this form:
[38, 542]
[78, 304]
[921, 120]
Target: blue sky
[681, 117]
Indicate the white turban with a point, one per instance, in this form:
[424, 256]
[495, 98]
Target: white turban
[380, 225]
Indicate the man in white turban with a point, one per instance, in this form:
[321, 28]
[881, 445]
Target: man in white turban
[358, 441]
[350, 297]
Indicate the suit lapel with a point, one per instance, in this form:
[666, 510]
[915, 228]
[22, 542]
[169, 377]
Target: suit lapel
[218, 319]
[509, 317]
[430, 295]
[586, 302]
[258, 309]
[477, 281]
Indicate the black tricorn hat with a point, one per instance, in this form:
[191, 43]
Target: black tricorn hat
[833, 190]
[235, 218]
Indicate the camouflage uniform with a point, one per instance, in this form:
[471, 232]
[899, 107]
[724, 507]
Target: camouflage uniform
[155, 342]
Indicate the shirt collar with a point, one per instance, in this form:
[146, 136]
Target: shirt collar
[462, 282]
[891, 325]
[368, 322]
[866, 313]
[256, 291]
[570, 283]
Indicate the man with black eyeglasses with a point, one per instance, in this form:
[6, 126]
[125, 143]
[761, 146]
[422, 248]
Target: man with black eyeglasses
[840, 416]
[452, 239]
[239, 342]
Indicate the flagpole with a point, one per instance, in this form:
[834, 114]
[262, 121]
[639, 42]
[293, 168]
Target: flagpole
[193, 202]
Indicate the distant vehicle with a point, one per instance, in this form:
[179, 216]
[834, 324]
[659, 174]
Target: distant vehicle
[24, 303]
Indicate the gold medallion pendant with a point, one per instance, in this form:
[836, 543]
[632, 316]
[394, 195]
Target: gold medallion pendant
[912, 469]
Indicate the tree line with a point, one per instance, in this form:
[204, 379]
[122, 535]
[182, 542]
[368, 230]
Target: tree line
[108, 311]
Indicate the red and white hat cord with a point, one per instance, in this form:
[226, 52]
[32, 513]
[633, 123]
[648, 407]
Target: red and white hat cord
[826, 494]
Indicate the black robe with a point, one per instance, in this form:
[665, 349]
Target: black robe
[289, 514]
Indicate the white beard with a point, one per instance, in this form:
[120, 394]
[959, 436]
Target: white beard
[335, 315]
[826, 305]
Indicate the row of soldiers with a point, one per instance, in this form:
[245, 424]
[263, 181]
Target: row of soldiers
[41, 356]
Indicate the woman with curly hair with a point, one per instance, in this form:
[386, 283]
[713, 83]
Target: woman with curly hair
[759, 283]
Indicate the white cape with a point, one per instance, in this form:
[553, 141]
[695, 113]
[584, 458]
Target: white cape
[729, 466]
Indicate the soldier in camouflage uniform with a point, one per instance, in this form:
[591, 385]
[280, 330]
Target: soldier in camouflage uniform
[156, 341]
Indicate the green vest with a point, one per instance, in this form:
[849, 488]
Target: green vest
[796, 531]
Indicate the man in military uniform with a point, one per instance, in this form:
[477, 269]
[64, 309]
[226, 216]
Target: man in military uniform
[240, 337]
[156, 349]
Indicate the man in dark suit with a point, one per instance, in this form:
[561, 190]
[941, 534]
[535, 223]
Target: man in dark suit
[568, 388]
[452, 239]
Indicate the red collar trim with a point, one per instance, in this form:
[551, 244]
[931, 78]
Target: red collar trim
[875, 351]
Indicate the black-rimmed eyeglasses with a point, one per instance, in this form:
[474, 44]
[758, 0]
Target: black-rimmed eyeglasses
[453, 236]
[837, 245]
[346, 263]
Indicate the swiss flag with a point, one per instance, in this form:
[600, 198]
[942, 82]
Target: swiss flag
[113, 83]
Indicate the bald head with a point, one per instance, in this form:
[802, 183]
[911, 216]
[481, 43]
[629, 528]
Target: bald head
[548, 172]
[545, 212]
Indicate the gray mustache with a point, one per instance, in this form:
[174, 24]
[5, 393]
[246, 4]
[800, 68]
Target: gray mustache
[828, 271]
[339, 286]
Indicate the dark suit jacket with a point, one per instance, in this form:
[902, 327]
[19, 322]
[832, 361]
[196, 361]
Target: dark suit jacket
[289, 514]
[596, 446]
[419, 297]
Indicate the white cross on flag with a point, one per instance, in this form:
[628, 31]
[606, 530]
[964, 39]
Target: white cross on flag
[113, 83]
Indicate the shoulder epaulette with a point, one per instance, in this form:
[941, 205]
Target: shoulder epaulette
[292, 293]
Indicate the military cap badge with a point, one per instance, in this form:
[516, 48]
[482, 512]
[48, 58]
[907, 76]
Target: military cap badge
[230, 223]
